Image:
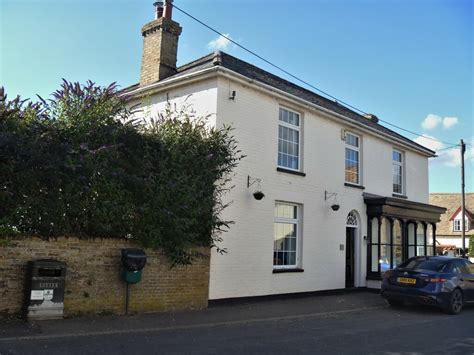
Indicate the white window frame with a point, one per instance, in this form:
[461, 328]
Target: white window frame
[402, 166]
[298, 222]
[458, 228]
[295, 128]
[359, 155]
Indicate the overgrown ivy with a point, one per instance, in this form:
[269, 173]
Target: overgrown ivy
[80, 164]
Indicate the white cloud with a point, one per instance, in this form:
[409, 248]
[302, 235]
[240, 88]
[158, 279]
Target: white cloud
[431, 121]
[452, 157]
[425, 141]
[448, 157]
[220, 42]
[448, 122]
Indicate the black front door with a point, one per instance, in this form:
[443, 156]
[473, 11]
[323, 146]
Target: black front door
[350, 233]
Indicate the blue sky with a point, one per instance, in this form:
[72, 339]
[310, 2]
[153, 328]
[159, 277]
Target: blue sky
[408, 62]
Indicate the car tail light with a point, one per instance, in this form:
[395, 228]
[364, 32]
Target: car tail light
[435, 279]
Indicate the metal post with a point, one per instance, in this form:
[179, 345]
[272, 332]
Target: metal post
[463, 206]
[126, 300]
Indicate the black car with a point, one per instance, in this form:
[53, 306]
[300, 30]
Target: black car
[439, 281]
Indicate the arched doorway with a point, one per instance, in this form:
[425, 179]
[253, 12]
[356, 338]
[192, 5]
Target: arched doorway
[352, 232]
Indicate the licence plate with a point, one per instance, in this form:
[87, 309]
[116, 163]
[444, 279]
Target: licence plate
[406, 280]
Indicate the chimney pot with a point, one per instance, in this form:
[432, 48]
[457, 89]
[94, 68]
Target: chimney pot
[158, 9]
[371, 117]
[160, 45]
[168, 10]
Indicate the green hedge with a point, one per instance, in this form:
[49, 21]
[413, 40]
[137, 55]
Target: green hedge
[80, 164]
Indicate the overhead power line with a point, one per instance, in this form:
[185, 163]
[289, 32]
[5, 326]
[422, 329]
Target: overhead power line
[450, 147]
[299, 79]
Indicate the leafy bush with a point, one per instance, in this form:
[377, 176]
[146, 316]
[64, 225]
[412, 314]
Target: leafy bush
[80, 164]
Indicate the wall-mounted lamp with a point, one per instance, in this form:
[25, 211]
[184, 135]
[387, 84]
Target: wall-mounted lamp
[327, 195]
[258, 194]
[232, 95]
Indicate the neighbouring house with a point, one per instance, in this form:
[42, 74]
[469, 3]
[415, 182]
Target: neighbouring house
[345, 198]
[449, 228]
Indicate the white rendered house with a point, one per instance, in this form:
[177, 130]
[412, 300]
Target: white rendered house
[449, 228]
[308, 155]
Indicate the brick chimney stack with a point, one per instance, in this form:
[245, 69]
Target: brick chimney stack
[160, 45]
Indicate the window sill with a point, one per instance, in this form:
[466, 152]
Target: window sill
[281, 271]
[400, 196]
[283, 170]
[354, 185]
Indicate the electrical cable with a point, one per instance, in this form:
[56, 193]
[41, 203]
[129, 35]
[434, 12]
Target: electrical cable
[417, 134]
[450, 147]
[299, 79]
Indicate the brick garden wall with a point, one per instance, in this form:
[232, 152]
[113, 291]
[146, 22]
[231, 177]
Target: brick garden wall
[93, 283]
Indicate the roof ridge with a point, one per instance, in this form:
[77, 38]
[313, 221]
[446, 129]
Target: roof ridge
[242, 67]
[450, 193]
[196, 62]
[327, 100]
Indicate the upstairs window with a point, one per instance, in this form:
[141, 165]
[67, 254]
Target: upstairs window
[397, 174]
[457, 225]
[289, 140]
[352, 159]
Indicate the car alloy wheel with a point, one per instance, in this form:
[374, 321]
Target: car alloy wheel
[456, 302]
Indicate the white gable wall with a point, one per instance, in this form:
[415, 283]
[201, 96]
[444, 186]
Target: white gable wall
[200, 97]
[246, 270]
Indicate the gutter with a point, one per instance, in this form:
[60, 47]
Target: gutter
[170, 83]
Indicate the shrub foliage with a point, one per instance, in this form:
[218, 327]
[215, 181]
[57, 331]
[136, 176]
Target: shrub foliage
[80, 164]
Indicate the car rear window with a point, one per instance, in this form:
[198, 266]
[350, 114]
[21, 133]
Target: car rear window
[424, 264]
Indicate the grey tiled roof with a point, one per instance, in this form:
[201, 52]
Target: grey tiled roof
[252, 72]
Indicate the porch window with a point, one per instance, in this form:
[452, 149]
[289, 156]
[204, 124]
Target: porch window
[385, 245]
[374, 266]
[430, 245]
[396, 232]
[411, 240]
[397, 243]
[420, 239]
[393, 239]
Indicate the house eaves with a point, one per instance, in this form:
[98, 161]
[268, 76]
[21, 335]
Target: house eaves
[222, 63]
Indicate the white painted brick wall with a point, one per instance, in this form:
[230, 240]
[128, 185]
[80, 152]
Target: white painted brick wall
[200, 97]
[246, 269]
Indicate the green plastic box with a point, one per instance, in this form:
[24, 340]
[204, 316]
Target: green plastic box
[131, 277]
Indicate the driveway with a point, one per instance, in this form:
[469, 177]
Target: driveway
[351, 323]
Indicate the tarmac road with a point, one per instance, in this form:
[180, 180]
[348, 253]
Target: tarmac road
[358, 323]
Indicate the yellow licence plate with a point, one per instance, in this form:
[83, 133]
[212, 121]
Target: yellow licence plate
[406, 280]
